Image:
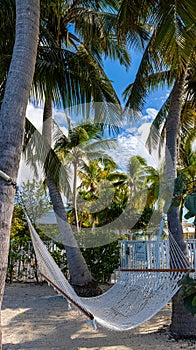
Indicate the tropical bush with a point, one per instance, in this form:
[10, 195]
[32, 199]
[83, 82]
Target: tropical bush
[101, 259]
[188, 293]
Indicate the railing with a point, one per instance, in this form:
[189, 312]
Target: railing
[152, 254]
[22, 265]
[191, 252]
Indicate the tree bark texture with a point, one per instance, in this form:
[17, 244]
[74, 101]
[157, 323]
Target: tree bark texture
[80, 276]
[172, 128]
[12, 116]
[75, 196]
[183, 323]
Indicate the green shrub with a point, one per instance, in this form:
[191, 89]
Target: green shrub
[59, 257]
[101, 259]
[188, 293]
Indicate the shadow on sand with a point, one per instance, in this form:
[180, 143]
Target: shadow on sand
[35, 317]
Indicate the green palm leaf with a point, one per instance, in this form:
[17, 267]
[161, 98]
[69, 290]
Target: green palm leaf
[40, 156]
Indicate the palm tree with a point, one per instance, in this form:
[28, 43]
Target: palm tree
[105, 191]
[145, 190]
[7, 25]
[82, 143]
[137, 174]
[62, 76]
[12, 115]
[97, 41]
[99, 87]
[169, 57]
[90, 173]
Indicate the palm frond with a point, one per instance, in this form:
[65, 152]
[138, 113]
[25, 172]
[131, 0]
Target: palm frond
[99, 146]
[176, 44]
[135, 93]
[39, 154]
[188, 119]
[154, 138]
[131, 23]
[191, 82]
[7, 38]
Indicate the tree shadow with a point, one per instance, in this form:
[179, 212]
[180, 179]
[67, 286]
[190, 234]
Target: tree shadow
[35, 317]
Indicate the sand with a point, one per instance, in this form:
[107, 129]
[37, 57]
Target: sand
[35, 317]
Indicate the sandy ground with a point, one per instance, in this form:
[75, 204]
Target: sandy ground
[35, 317]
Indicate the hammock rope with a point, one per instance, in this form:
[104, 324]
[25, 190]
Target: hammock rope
[132, 300]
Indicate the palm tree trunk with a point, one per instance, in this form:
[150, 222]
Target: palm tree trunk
[172, 127]
[12, 117]
[75, 196]
[80, 276]
[183, 323]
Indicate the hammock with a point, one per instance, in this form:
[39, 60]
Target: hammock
[134, 298]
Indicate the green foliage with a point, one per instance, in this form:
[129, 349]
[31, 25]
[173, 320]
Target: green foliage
[180, 188]
[143, 220]
[104, 193]
[180, 185]
[35, 199]
[188, 293]
[190, 204]
[19, 228]
[59, 257]
[101, 259]
[21, 254]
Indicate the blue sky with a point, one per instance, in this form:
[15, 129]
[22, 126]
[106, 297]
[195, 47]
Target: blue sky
[121, 78]
[132, 140]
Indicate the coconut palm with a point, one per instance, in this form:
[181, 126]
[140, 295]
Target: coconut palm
[74, 71]
[68, 86]
[12, 115]
[65, 66]
[93, 36]
[82, 143]
[145, 189]
[104, 191]
[61, 75]
[137, 174]
[169, 57]
[7, 25]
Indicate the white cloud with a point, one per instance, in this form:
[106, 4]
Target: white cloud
[133, 141]
[35, 115]
[130, 143]
[129, 146]
[151, 114]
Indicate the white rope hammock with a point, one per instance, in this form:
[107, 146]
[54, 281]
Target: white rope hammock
[134, 298]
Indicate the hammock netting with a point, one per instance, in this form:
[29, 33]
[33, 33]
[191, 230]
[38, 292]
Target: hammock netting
[132, 300]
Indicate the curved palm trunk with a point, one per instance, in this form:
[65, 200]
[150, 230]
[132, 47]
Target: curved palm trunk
[183, 323]
[75, 196]
[172, 127]
[12, 116]
[80, 276]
